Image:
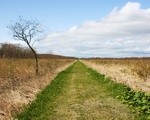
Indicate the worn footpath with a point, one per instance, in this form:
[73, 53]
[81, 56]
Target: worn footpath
[76, 94]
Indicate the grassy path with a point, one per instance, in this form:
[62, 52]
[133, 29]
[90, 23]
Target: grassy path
[77, 94]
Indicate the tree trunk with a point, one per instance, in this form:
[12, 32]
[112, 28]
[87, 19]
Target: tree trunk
[36, 60]
[37, 67]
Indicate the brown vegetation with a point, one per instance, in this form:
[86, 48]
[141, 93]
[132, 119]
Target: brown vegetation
[8, 50]
[134, 72]
[18, 86]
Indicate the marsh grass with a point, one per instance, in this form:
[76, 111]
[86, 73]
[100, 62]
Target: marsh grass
[19, 84]
[138, 66]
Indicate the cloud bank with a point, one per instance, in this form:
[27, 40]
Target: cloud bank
[124, 32]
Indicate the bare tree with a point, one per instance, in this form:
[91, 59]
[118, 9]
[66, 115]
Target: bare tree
[28, 31]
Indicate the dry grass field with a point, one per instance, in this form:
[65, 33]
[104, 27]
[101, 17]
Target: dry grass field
[19, 84]
[133, 72]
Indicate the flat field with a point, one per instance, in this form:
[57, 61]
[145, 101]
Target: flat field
[88, 89]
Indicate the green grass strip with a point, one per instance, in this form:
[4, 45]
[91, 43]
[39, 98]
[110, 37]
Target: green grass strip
[45, 101]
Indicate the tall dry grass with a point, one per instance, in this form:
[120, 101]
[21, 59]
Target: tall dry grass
[134, 72]
[138, 66]
[10, 68]
[19, 84]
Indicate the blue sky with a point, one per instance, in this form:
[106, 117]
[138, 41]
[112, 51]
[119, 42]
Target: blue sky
[62, 15]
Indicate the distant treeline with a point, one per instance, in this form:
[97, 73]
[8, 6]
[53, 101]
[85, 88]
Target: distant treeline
[52, 56]
[9, 50]
[125, 58]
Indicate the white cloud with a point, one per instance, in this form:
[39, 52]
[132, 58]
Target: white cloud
[124, 32]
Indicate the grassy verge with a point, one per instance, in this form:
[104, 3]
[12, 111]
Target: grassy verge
[137, 101]
[45, 101]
